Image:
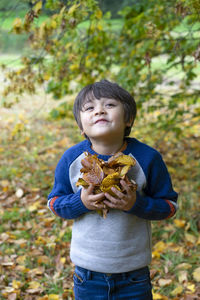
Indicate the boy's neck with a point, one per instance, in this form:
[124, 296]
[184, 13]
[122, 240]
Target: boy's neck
[105, 148]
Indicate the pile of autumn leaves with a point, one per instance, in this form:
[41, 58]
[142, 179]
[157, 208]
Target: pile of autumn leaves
[105, 175]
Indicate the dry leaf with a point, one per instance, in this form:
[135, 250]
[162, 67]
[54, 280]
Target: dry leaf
[157, 296]
[184, 266]
[16, 284]
[182, 276]
[53, 297]
[196, 274]
[105, 175]
[191, 287]
[190, 238]
[12, 296]
[34, 284]
[177, 291]
[179, 223]
[164, 282]
[21, 260]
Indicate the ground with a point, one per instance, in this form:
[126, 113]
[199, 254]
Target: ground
[34, 244]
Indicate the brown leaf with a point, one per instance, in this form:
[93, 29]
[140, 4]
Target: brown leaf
[121, 159]
[105, 175]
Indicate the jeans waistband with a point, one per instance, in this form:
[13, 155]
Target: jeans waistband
[93, 274]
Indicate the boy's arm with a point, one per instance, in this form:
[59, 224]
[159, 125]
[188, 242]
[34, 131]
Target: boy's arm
[62, 201]
[159, 200]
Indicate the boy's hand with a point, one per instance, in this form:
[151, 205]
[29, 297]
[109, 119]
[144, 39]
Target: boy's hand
[122, 201]
[90, 200]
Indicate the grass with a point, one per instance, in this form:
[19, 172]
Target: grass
[11, 60]
[6, 22]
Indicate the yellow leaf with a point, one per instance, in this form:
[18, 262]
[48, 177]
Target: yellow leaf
[160, 246]
[157, 296]
[74, 67]
[43, 259]
[191, 287]
[196, 274]
[73, 8]
[16, 284]
[17, 23]
[184, 266]
[177, 291]
[4, 183]
[36, 271]
[34, 206]
[155, 254]
[38, 6]
[98, 14]
[124, 170]
[164, 282]
[190, 238]
[53, 24]
[53, 297]
[110, 180]
[21, 260]
[34, 284]
[179, 223]
[182, 276]
[46, 76]
[63, 260]
[100, 27]
[22, 269]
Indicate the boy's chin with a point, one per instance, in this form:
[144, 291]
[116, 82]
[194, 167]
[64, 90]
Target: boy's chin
[110, 136]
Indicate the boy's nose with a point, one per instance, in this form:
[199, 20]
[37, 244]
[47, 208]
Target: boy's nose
[99, 110]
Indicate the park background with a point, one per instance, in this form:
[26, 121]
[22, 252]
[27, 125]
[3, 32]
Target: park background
[49, 50]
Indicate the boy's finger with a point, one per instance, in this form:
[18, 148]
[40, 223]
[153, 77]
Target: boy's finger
[125, 186]
[90, 188]
[117, 192]
[111, 198]
[98, 197]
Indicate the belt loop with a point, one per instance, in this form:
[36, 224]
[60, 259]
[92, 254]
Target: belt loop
[124, 276]
[89, 275]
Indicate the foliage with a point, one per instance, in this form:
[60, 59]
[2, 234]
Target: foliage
[66, 56]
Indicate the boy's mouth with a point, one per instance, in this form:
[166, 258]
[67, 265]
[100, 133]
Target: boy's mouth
[101, 121]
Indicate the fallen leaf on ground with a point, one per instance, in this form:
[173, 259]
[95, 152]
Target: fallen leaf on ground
[196, 274]
[164, 282]
[177, 291]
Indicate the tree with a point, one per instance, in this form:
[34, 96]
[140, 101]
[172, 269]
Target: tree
[78, 44]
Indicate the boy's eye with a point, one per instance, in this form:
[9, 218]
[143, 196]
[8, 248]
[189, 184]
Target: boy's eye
[110, 104]
[88, 108]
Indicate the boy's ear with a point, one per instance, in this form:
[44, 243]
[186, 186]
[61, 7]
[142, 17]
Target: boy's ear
[82, 132]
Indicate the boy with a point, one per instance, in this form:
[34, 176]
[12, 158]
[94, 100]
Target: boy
[111, 255]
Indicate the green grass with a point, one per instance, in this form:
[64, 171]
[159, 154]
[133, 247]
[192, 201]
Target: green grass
[6, 23]
[11, 60]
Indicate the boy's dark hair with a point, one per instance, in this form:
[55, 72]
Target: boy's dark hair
[106, 89]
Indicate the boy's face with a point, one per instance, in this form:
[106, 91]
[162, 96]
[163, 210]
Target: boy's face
[103, 119]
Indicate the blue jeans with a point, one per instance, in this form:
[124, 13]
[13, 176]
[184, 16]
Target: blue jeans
[89, 285]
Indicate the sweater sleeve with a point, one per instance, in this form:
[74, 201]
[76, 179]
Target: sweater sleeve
[62, 201]
[158, 200]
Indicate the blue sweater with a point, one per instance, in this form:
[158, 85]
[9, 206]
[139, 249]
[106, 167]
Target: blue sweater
[122, 241]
